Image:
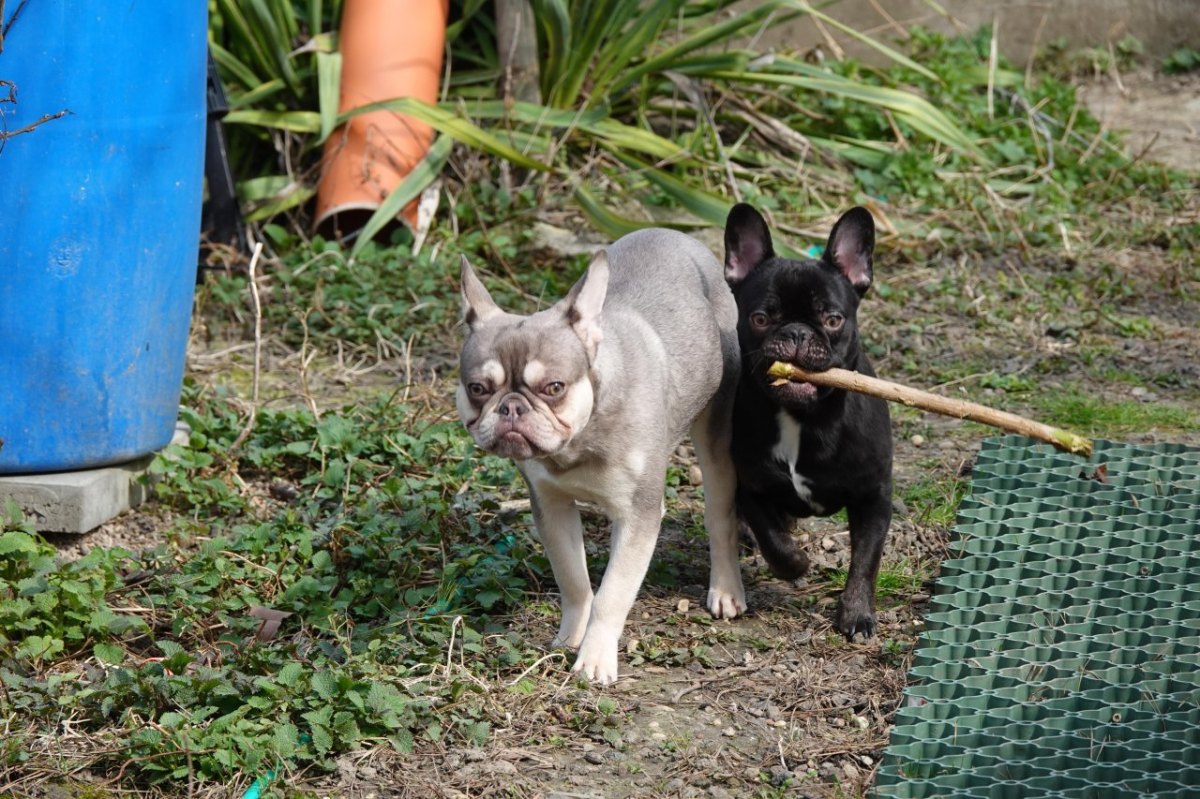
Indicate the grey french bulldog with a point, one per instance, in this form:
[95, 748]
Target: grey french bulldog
[590, 397]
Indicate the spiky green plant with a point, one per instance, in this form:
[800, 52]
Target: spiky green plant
[630, 88]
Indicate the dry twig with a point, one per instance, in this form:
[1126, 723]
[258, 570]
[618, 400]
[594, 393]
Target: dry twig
[894, 392]
[242, 436]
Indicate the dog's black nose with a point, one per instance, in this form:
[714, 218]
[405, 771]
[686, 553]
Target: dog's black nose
[797, 333]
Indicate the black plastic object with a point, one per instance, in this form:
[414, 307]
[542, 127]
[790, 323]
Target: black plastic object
[221, 222]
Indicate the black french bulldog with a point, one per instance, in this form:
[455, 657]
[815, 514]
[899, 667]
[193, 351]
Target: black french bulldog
[799, 449]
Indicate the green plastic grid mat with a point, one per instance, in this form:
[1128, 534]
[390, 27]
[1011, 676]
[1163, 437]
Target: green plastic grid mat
[1061, 656]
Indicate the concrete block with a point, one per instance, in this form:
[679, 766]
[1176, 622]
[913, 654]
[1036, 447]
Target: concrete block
[76, 502]
[80, 501]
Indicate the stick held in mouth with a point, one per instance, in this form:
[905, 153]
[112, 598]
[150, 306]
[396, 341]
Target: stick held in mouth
[894, 392]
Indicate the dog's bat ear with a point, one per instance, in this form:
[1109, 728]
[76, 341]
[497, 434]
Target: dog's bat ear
[478, 305]
[583, 305]
[747, 242]
[851, 247]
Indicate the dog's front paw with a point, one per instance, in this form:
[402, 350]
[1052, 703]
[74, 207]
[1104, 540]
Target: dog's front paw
[855, 616]
[726, 604]
[597, 659]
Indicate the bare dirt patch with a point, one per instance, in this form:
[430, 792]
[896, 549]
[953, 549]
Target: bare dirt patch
[1161, 113]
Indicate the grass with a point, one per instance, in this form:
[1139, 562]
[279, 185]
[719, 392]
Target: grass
[1115, 418]
[898, 581]
[358, 514]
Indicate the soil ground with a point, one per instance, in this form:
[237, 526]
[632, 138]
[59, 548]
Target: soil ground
[776, 703]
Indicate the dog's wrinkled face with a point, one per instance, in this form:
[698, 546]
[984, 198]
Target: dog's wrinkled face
[526, 385]
[801, 312]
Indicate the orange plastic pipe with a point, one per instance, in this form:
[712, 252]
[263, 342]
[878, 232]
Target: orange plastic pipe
[390, 48]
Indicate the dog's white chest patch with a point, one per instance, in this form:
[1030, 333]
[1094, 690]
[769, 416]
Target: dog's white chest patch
[787, 450]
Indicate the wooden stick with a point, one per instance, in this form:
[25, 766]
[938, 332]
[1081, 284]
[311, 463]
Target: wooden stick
[894, 392]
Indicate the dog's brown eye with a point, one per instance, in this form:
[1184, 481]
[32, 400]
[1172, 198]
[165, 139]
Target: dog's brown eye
[759, 319]
[477, 389]
[834, 322]
[554, 389]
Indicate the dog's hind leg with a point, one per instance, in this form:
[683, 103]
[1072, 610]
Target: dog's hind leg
[710, 435]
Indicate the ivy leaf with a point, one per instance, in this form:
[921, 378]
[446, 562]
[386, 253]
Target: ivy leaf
[325, 685]
[18, 542]
[172, 721]
[289, 674]
[477, 732]
[37, 646]
[488, 598]
[287, 737]
[322, 740]
[347, 728]
[109, 653]
[382, 697]
[403, 741]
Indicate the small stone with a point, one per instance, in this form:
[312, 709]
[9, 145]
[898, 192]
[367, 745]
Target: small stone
[284, 492]
[1139, 391]
[828, 544]
[861, 721]
[674, 786]
[695, 476]
[682, 606]
[594, 757]
[729, 732]
[849, 770]
[346, 769]
[839, 722]
[682, 451]
[917, 440]
[780, 775]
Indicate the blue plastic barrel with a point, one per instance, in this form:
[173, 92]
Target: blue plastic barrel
[99, 227]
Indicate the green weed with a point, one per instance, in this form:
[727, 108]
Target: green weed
[376, 567]
[935, 499]
[1183, 59]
